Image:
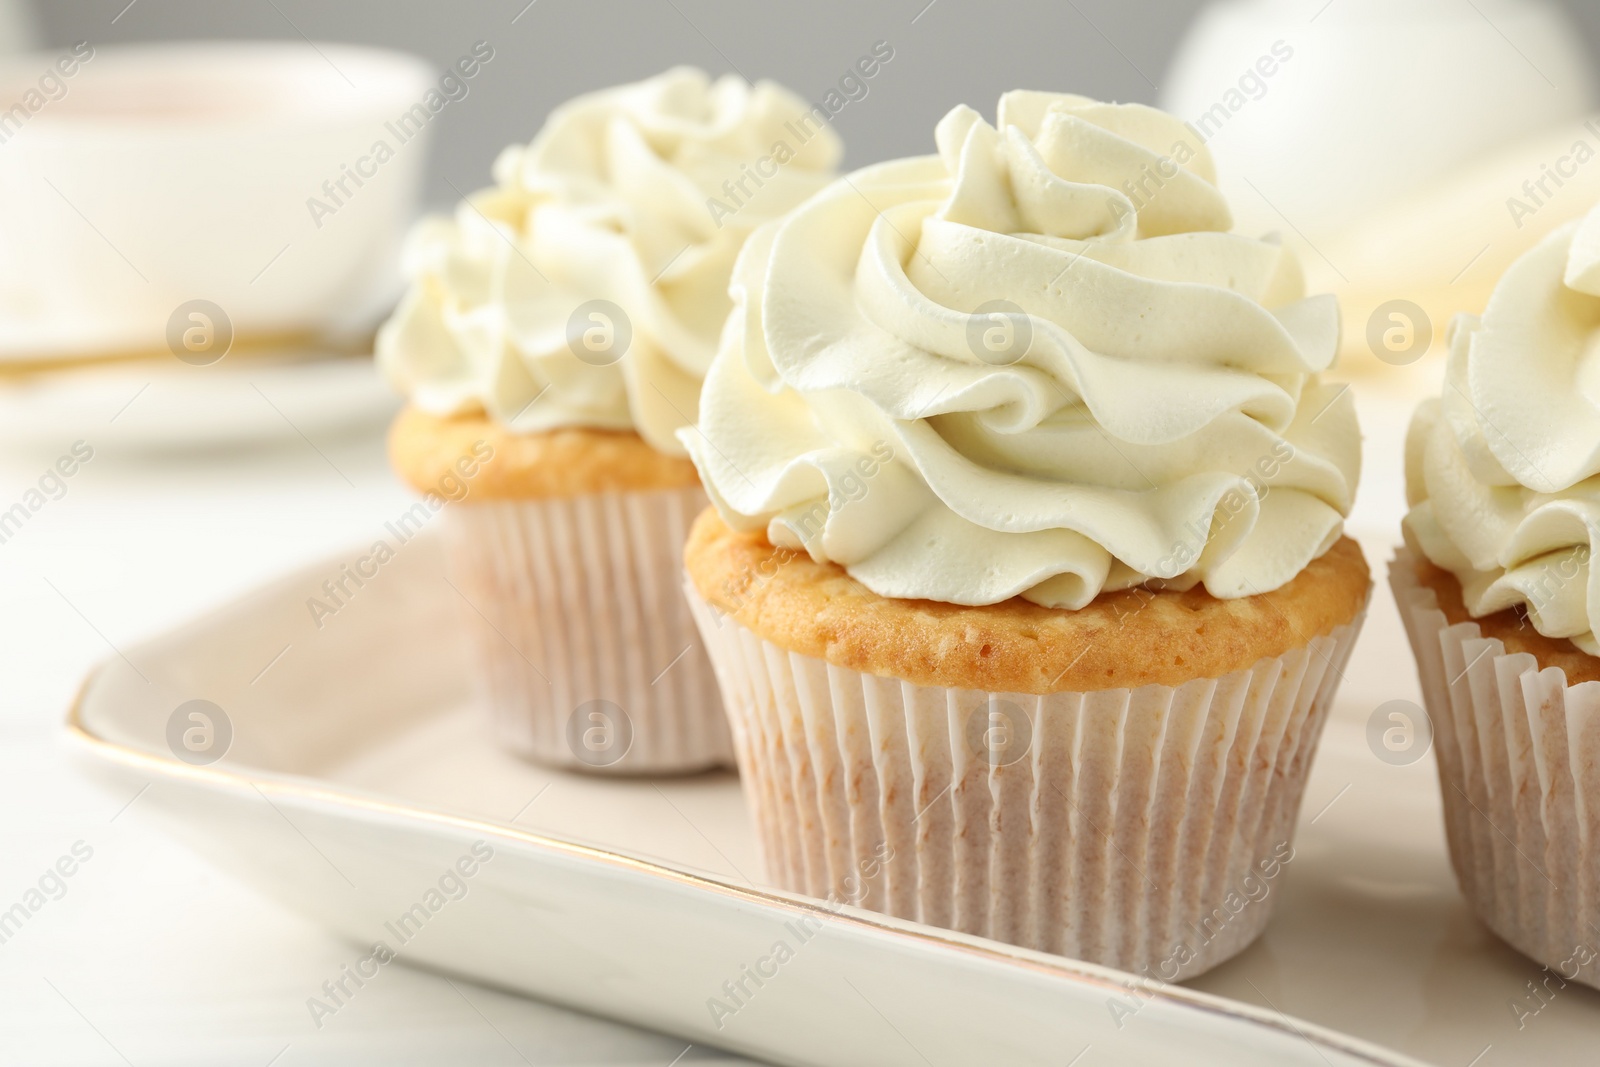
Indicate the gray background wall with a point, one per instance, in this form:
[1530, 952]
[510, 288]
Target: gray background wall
[954, 51]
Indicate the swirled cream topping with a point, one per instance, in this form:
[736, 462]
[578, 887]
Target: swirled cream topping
[589, 285]
[1035, 364]
[1503, 469]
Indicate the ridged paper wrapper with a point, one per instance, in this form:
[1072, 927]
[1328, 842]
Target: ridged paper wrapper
[1519, 768]
[1138, 828]
[584, 648]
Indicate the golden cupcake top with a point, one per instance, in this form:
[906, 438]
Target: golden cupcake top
[1126, 639]
[491, 462]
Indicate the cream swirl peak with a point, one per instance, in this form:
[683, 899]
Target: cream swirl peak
[589, 285]
[1035, 364]
[1503, 469]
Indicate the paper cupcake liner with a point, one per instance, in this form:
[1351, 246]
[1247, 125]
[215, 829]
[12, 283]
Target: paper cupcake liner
[586, 652]
[1519, 767]
[1139, 828]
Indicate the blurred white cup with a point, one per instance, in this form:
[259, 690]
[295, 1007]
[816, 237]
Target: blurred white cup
[1367, 100]
[134, 180]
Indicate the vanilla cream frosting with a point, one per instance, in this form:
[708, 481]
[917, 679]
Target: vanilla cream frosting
[1139, 400]
[588, 287]
[1501, 469]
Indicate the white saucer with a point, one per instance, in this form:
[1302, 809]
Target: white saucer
[162, 404]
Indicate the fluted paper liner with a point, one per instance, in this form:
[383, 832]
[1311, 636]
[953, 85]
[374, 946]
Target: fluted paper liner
[1141, 828]
[1519, 767]
[577, 599]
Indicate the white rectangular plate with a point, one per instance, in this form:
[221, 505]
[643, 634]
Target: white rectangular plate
[359, 773]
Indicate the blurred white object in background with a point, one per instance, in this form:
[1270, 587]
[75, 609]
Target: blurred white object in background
[136, 179]
[1442, 248]
[1367, 100]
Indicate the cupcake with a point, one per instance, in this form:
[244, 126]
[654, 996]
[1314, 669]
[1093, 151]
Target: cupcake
[1025, 583]
[551, 344]
[1500, 602]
